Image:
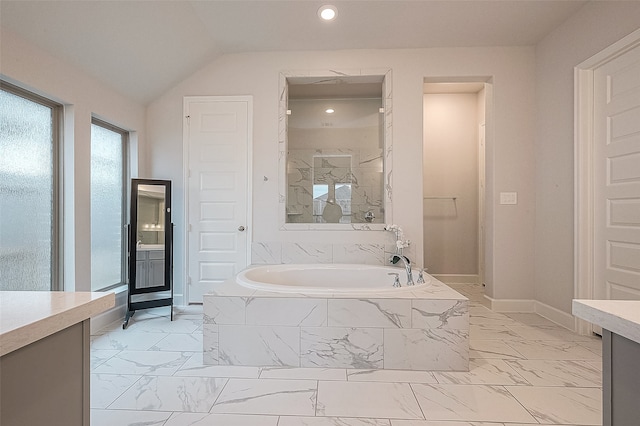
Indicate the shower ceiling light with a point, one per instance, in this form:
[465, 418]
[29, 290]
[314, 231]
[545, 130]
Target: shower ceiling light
[328, 12]
[329, 110]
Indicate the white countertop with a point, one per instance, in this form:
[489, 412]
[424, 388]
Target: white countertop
[28, 316]
[618, 316]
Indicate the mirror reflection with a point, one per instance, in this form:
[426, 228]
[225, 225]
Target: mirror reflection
[151, 219]
[335, 151]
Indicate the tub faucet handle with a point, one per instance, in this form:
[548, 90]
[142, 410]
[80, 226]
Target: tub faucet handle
[421, 277]
[396, 280]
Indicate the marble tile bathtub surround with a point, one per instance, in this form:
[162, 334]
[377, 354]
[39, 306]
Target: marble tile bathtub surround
[427, 329]
[273, 253]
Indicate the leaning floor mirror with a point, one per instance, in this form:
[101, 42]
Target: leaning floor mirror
[150, 246]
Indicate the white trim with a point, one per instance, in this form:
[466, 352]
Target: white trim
[185, 176]
[583, 170]
[532, 306]
[458, 278]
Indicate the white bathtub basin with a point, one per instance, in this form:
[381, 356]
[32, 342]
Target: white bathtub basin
[319, 279]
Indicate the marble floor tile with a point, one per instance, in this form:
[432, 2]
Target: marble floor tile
[303, 373]
[552, 349]
[370, 400]
[158, 363]
[106, 388]
[202, 419]
[195, 367]
[163, 325]
[491, 332]
[559, 405]
[128, 418]
[529, 318]
[594, 346]
[439, 423]
[161, 393]
[392, 376]
[489, 349]
[470, 403]
[483, 372]
[99, 356]
[330, 421]
[185, 342]
[121, 340]
[268, 396]
[558, 373]
[548, 332]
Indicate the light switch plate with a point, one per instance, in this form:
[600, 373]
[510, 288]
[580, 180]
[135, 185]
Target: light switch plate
[508, 198]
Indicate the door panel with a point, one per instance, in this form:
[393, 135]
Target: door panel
[617, 178]
[218, 137]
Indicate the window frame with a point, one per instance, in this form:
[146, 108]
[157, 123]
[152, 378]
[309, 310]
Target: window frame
[124, 235]
[57, 116]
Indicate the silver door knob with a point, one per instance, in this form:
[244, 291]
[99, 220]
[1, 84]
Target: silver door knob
[241, 228]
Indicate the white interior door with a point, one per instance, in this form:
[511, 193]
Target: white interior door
[217, 137]
[617, 178]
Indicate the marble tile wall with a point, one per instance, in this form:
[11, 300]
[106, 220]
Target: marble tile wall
[274, 252]
[317, 332]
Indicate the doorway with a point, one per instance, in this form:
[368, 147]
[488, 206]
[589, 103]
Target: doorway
[454, 133]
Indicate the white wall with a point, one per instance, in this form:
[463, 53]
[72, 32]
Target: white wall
[33, 69]
[257, 74]
[594, 27]
[451, 169]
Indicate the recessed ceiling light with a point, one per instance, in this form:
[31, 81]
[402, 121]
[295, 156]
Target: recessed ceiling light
[328, 12]
[329, 110]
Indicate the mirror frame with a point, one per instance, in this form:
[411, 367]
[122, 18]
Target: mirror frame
[313, 77]
[132, 246]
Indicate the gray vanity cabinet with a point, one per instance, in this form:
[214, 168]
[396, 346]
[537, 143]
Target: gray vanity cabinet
[149, 268]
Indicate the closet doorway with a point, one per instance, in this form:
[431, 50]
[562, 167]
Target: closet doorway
[454, 179]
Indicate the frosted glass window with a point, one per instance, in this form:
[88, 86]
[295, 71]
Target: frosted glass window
[27, 202]
[107, 223]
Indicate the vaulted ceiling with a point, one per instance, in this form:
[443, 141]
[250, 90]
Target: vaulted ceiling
[142, 48]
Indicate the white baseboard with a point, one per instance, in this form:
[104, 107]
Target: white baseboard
[556, 315]
[117, 313]
[532, 306]
[458, 278]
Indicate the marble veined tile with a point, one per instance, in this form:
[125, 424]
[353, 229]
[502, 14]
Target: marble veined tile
[492, 332]
[492, 349]
[266, 253]
[440, 314]
[268, 396]
[303, 373]
[121, 340]
[483, 372]
[200, 419]
[195, 367]
[369, 313]
[395, 376]
[105, 388]
[128, 418]
[262, 346]
[553, 349]
[330, 421]
[287, 311]
[98, 356]
[307, 253]
[370, 400]
[225, 310]
[426, 349]
[210, 343]
[530, 319]
[439, 423]
[163, 325]
[470, 403]
[368, 254]
[579, 406]
[341, 347]
[159, 363]
[191, 394]
[558, 373]
[180, 341]
[549, 332]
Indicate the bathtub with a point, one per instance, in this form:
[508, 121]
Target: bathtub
[335, 316]
[322, 279]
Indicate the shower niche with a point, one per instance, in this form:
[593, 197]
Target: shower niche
[335, 150]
